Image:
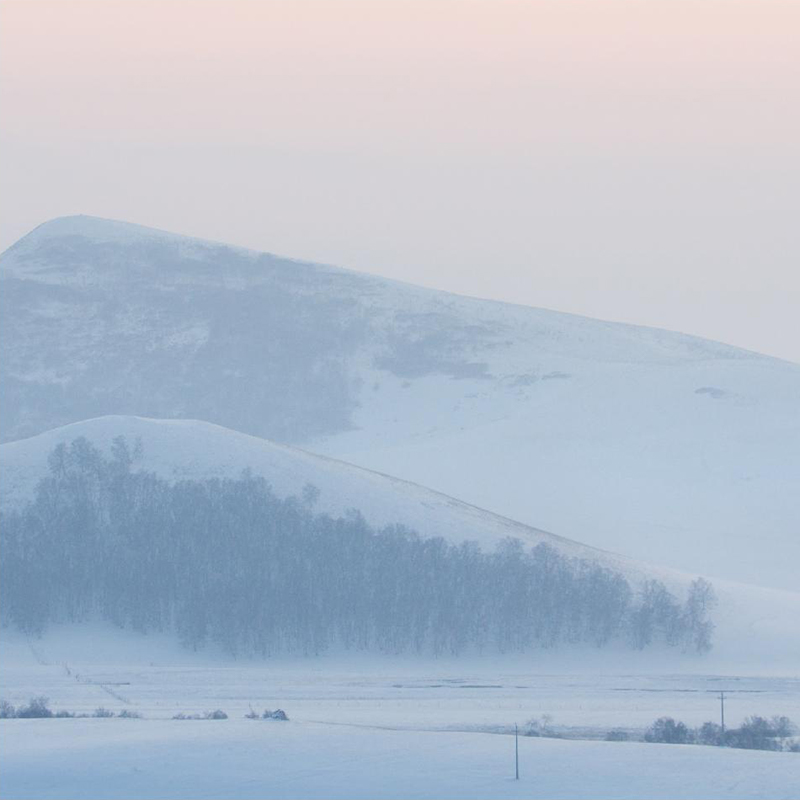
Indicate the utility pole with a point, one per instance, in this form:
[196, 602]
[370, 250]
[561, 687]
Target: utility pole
[722, 717]
[516, 752]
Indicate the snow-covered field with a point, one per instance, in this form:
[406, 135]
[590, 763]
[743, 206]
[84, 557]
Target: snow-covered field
[368, 727]
[250, 759]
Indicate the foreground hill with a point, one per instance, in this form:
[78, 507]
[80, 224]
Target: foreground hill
[191, 449]
[754, 625]
[654, 444]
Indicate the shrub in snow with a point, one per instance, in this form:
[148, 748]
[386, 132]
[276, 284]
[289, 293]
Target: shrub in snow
[783, 727]
[64, 715]
[278, 713]
[7, 710]
[667, 731]
[36, 709]
[758, 733]
[125, 714]
[207, 715]
[709, 733]
[251, 714]
[540, 727]
[755, 733]
[617, 735]
[103, 713]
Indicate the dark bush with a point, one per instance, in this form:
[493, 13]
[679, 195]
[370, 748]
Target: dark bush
[758, 733]
[207, 715]
[278, 713]
[617, 735]
[755, 733]
[36, 709]
[540, 727]
[709, 733]
[783, 727]
[667, 731]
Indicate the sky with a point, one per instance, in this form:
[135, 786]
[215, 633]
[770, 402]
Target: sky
[632, 160]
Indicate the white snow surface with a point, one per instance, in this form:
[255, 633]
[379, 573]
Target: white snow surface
[179, 449]
[655, 444]
[369, 727]
[757, 628]
[129, 759]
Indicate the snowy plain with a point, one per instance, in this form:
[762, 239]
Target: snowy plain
[368, 726]
[129, 759]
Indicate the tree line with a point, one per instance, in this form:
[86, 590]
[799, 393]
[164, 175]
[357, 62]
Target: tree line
[225, 561]
[755, 733]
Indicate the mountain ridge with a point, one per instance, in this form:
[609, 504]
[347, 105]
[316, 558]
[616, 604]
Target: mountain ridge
[83, 225]
[659, 445]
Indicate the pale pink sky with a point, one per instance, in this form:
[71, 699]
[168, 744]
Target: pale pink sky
[633, 160]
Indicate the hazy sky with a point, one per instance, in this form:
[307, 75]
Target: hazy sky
[634, 161]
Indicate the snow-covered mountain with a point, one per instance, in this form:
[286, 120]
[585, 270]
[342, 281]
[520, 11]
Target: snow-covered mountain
[186, 449]
[754, 625]
[658, 445]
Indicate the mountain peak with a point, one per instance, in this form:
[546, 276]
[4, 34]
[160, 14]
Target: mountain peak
[98, 229]
[86, 250]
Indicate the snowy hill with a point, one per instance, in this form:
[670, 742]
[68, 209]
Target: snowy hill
[186, 449]
[658, 445]
[755, 626]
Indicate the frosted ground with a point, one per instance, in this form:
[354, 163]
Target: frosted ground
[370, 726]
[245, 759]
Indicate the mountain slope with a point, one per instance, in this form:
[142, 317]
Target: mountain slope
[655, 444]
[187, 449]
[755, 626]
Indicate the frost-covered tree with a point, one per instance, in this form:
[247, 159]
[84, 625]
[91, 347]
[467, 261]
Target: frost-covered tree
[228, 562]
[668, 731]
